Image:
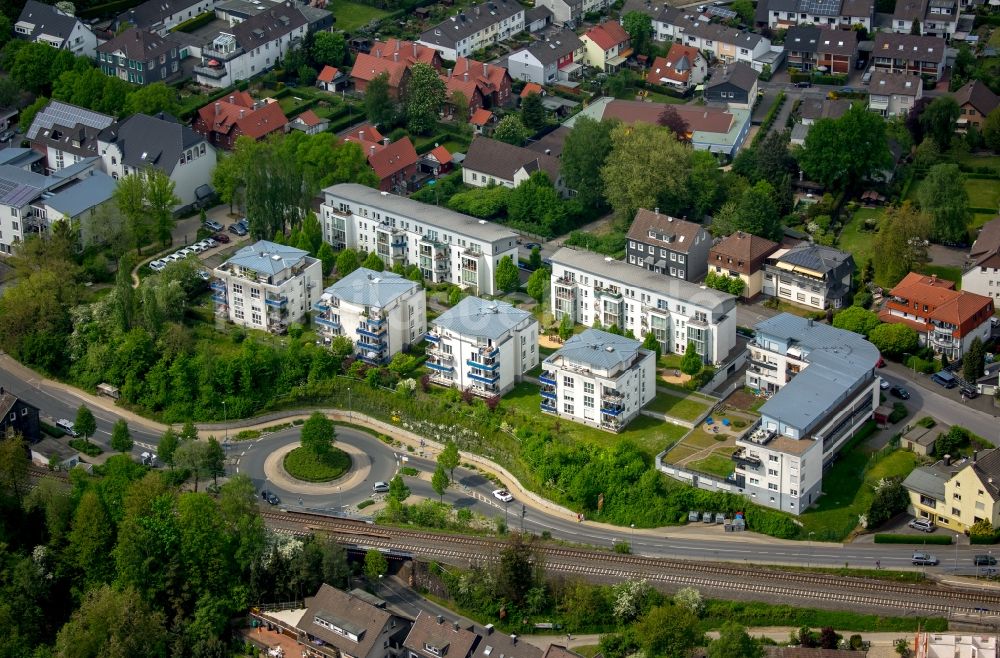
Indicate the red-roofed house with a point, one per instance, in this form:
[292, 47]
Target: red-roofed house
[482, 119]
[331, 79]
[484, 85]
[607, 46]
[367, 67]
[946, 319]
[532, 88]
[223, 121]
[682, 68]
[394, 163]
[309, 122]
[408, 51]
[438, 161]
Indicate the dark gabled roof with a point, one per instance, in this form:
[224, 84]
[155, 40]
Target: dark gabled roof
[823, 108]
[802, 38]
[448, 639]
[140, 45]
[361, 622]
[979, 96]
[909, 47]
[553, 47]
[739, 75]
[469, 21]
[491, 156]
[910, 10]
[670, 232]
[837, 42]
[987, 244]
[987, 467]
[743, 248]
[147, 140]
[152, 12]
[815, 257]
[46, 19]
[495, 645]
[268, 26]
[885, 83]
[8, 400]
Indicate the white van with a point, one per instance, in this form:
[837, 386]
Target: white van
[67, 426]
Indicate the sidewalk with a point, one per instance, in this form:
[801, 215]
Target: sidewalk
[776, 633]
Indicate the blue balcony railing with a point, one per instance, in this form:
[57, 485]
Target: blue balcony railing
[276, 301]
[482, 366]
[218, 285]
[326, 322]
[550, 395]
[545, 379]
[486, 379]
[374, 335]
[219, 299]
[439, 367]
[433, 338]
[322, 307]
[611, 411]
[548, 407]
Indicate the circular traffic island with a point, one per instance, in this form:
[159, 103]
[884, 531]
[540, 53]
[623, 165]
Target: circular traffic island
[305, 465]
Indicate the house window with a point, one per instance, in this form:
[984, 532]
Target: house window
[567, 381]
[588, 401]
[567, 408]
[237, 289]
[772, 486]
[256, 318]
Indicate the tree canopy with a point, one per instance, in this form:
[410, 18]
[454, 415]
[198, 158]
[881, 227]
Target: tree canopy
[424, 96]
[507, 276]
[584, 153]
[943, 196]
[856, 319]
[840, 153]
[511, 130]
[646, 165]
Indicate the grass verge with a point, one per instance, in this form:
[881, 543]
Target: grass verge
[303, 464]
[350, 16]
[682, 407]
[756, 613]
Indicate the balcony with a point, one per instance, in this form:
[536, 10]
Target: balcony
[484, 379]
[482, 366]
[371, 358]
[326, 322]
[745, 458]
[377, 334]
[218, 285]
[546, 378]
[612, 424]
[548, 406]
[219, 298]
[216, 72]
[276, 301]
[373, 318]
[438, 366]
[614, 410]
[548, 392]
[565, 293]
[432, 338]
[609, 293]
[612, 394]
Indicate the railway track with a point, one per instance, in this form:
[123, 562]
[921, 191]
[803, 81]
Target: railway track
[934, 599]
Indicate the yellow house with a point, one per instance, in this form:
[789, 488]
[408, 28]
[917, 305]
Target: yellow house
[956, 496]
[607, 46]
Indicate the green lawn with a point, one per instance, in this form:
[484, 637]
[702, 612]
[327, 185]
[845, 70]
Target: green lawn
[855, 241]
[351, 16]
[847, 493]
[716, 464]
[995, 37]
[651, 435]
[983, 193]
[948, 273]
[685, 408]
[980, 218]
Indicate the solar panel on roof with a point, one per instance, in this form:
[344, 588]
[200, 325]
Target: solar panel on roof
[68, 115]
[820, 7]
[721, 12]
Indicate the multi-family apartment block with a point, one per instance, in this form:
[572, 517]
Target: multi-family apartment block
[782, 14]
[141, 57]
[982, 270]
[667, 245]
[483, 346]
[957, 494]
[161, 16]
[894, 94]
[823, 387]
[934, 18]
[599, 379]
[908, 53]
[475, 28]
[381, 312]
[267, 286]
[590, 289]
[66, 134]
[571, 12]
[809, 275]
[447, 246]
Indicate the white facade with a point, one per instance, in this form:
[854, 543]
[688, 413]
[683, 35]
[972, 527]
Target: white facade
[267, 286]
[447, 246]
[192, 169]
[983, 280]
[380, 312]
[598, 379]
[237, 63]
[572, 12]
[474, 31]
[589, 288]
[946, 645]
[65, 31]
[483, 346]
[725, 44]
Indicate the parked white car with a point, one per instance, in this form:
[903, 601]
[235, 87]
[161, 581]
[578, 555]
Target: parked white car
[183, 253]
[157, 265]
[197, 247]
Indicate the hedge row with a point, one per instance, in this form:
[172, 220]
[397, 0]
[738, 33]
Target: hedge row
[192, 24]
[984, 539]
[980, 173]
[885, 538]
[51, 430]
[769, 119]
[981, 209]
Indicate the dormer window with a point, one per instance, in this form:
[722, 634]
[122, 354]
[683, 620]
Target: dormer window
[432, 649]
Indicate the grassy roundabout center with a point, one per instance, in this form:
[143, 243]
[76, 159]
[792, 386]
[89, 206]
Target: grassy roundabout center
[303, 464]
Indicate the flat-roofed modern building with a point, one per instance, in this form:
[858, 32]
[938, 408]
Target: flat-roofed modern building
[381, 312]
[267, 286]
[447, 246]
[590, 288]
[483, 346]
[600, 379]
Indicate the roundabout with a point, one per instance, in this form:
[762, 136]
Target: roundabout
[358, 471]
[304, 465]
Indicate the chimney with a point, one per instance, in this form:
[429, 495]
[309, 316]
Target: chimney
[361, 135]
[373, 149]
[488, 628]
[385, 141]
[454, 625]
[440, 619]
[975, 456]
[466, 76]
[485, 68]
[548, 151]
[395, 56]
[947, 460]
[243, 113]
[232, 99]
[218, 109]
[414, 48]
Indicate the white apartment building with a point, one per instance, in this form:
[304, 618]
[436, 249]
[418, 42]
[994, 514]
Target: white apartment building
[810, 275]
[822, 386]
[590, 288]
[982, 269]
[445, 245]
[948, 645]
[475, 28]
[267, 286]
[381, 312]
[599, 379]
[484, 346]
[571, 12]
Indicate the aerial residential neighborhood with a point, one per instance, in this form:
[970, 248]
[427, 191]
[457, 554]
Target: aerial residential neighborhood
[500, 329]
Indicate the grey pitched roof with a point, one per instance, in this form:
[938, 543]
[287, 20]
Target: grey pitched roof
[537, 13]
[469, 21]
[598, 349]
[500, 159]
[158, 141]
[352, 614]
[888, 83]
[928, 480]
[437, 216]
[481, 318]
[620, 271]
[140, 45]
[496, 644]
[449, 640]
[909, 47]
[986, 465]
[268, 26]
[837, 360]
[802, 39]
[267, 257]
[822, 108]
[553, 47]
[740, 75]
[370, 288]
[46, 19]
[152, 12]
[58, 113]
[19, 186]
[815, 257]
[84, 195]
[723, 34]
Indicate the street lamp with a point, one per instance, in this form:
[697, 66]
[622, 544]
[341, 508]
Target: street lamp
[350, 409]
[810, 554]
[956, 553]
[225, 420]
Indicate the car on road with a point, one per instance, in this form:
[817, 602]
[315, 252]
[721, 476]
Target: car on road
[984, 560]
[924, 559]
[883, 384]
[237, 229]
[221, 238]
[67, 426]
[531, 245]
[270, 497]
[213, 225]
[156, 265]
[924, 525]
[969, 393]
[804, 84]
[380, 487]
[503, 495]
[900, 392]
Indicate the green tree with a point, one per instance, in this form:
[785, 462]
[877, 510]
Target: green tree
[974, 361]
[943, 196]
[517, 571]
[755, 213]
[536, 205]
[318, 434]
[191, 456]
[533, 112]
[424, 96]
[566, 326]
[215, 460]
[327, 257]
[511, 130]
[121, 438]
[460, 104]
[14, 467]
[734, 642]
[584, 153]
[189, 432]
[506, 277]
[398, 491]
[449, 458]
[640, 28]
[938, 120]
[650, 343]
[91, 539]
[28, 114]
[379, 106]
[856, 319]
[167, 447]
[373, 262]
[439, 481]
[691, 363]
[840, 153]
[113, 623]
[647, 165]
[745, 10]
[85, 422]
[535, 258]
[376, 566]
[900, 243]
[991, 131]
[307, 75]
[152, 99]
[347, 262]
[894, 339]
[538, 283]
[890, 499]
[668, 631]
[329, 48]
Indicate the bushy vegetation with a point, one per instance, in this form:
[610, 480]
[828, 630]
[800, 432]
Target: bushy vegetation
[302, 464]
[888, 538]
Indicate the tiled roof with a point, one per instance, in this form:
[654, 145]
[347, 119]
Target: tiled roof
[944, 302]
[900, 84]
[469, 75]
[705, 119]
[607, 35]
[469, 21]
[740, 75]
[532, 88]
[481, 318]
[151, 12]
[410, 52]
[823, 108]
[370, 288]
[364, 135]
[802, 39]
[502, 160]
[46, 19]
[987, 467]
[449, 640]
[268, 26]
[496, 644]
[811, 256]
[441, 154]
[480, 117]
[909, 47]
[393, 158]
[842, 43]
[239, 109]
[328, 74]
[362, 623]
[309, 118]
[140, 45]
[910, 10]
[152, 140]
[676, 65]
[987, 244]
[553, 47]
[597, 349]
[979, 96]
[744, 249]
[676, 234]
[368, 67]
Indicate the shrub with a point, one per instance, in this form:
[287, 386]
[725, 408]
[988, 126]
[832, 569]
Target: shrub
[51, 430]
[887, 538]
[927, 422]
[898, 412]
[303, 464]
[86, 447]
[409, 470]
[366, 503]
